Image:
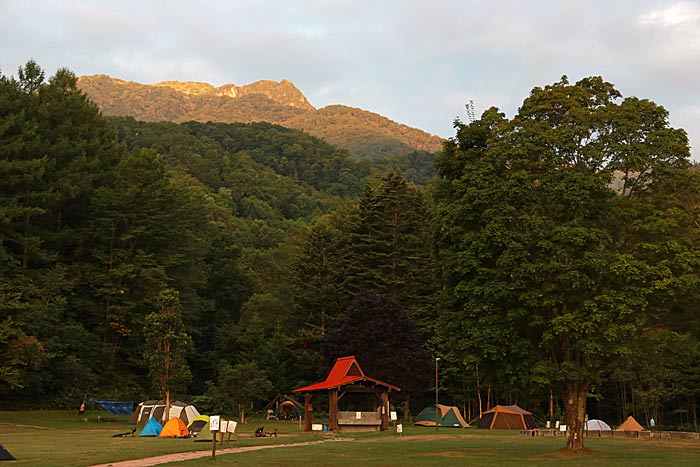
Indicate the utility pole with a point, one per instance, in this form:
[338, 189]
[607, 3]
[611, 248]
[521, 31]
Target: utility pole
[437, 359]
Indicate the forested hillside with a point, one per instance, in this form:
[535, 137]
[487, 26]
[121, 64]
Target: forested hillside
[265, 253]
[103, 216]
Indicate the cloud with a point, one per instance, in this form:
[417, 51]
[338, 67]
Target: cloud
[416, 62]
[673, 16]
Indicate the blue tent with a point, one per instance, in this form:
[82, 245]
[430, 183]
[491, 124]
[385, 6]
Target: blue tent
[115, 407]
[152, 428]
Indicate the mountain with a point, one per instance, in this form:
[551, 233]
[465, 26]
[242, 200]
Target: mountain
[366, 135]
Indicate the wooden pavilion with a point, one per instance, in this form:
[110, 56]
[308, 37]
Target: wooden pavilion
[346, 379]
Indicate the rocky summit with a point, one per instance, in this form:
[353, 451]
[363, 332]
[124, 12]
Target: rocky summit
[364, 134]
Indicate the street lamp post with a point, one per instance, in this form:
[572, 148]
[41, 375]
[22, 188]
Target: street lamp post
[437, 359]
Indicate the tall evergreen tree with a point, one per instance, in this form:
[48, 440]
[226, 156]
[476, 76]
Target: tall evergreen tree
[389, 247]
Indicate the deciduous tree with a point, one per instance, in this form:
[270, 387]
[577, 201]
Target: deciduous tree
[541, 257]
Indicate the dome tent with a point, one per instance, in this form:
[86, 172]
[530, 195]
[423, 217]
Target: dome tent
[597, 425]
[447, 416]
[175, 428]
[152, 428]
[147, 409]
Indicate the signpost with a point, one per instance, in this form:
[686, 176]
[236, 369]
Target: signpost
[214, 422]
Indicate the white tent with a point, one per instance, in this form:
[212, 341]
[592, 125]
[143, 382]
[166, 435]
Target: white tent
[597, 425]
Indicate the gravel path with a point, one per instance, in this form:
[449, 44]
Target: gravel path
[183, 456]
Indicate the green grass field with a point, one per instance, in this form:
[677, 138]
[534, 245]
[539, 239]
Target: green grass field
[55, 438]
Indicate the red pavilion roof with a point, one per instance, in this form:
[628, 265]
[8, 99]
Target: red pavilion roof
[345, 371]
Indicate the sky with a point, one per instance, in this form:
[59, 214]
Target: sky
[417, 62]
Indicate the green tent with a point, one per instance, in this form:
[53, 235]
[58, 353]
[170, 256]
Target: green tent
[447, 416]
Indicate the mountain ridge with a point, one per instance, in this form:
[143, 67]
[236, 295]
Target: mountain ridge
[365, 134]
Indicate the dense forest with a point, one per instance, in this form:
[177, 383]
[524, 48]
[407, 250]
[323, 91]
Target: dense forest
[550, 260]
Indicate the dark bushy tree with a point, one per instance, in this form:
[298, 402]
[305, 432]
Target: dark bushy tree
[386, 340]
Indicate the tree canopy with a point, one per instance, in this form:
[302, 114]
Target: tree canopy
[547, 265]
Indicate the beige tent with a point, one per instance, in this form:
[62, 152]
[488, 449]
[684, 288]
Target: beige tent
[630, 425]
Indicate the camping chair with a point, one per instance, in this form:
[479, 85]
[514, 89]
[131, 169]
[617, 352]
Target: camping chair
[125, 434]
[261, 433]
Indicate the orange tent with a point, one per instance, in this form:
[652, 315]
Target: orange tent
[174, 428]
[507, 417]
[630, 425]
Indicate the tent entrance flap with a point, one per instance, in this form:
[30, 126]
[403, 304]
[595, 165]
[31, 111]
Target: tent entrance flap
[5, 454]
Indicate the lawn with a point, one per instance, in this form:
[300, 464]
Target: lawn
[55, 438]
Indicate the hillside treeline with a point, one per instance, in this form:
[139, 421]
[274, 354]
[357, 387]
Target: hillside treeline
[286, 252]
[100, 215]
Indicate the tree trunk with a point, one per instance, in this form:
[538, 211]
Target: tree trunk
[478, 393]
[551, 405]
[575, 402]
[166, 413]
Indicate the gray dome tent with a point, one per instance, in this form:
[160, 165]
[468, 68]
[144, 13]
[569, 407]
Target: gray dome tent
[147, 409]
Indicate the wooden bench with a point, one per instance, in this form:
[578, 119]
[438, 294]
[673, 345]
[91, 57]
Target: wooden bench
[359, 421]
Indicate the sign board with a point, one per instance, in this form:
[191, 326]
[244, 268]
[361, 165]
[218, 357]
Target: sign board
[394, 417]
[214, 422]
[358, 415]
[317, 426]
[223, 424]
[562, 428]
[232, 426]
[399, 428]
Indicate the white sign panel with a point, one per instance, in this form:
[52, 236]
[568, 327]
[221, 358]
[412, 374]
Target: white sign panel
[317, 427]
[214, 422]
[232, 426]
[399, 428]
[394, 417]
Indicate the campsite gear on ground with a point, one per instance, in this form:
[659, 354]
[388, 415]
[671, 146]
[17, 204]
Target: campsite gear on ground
[125, 434]
[630, 425]
[147, 409]
[5, 454]
[507, 417]
[261, 433]
[448, 416]
[174, 428]
[283, 407]
[113, 407]
[152, 428]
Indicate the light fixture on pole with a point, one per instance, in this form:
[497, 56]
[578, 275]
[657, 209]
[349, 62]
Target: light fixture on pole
[437, 359]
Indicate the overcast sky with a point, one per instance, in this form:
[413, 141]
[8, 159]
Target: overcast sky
[416, 62]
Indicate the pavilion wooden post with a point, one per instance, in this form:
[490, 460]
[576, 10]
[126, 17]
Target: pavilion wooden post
[333, 409]
[308, 412]
[385, 410]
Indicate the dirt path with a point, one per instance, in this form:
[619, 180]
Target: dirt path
[183, 456]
